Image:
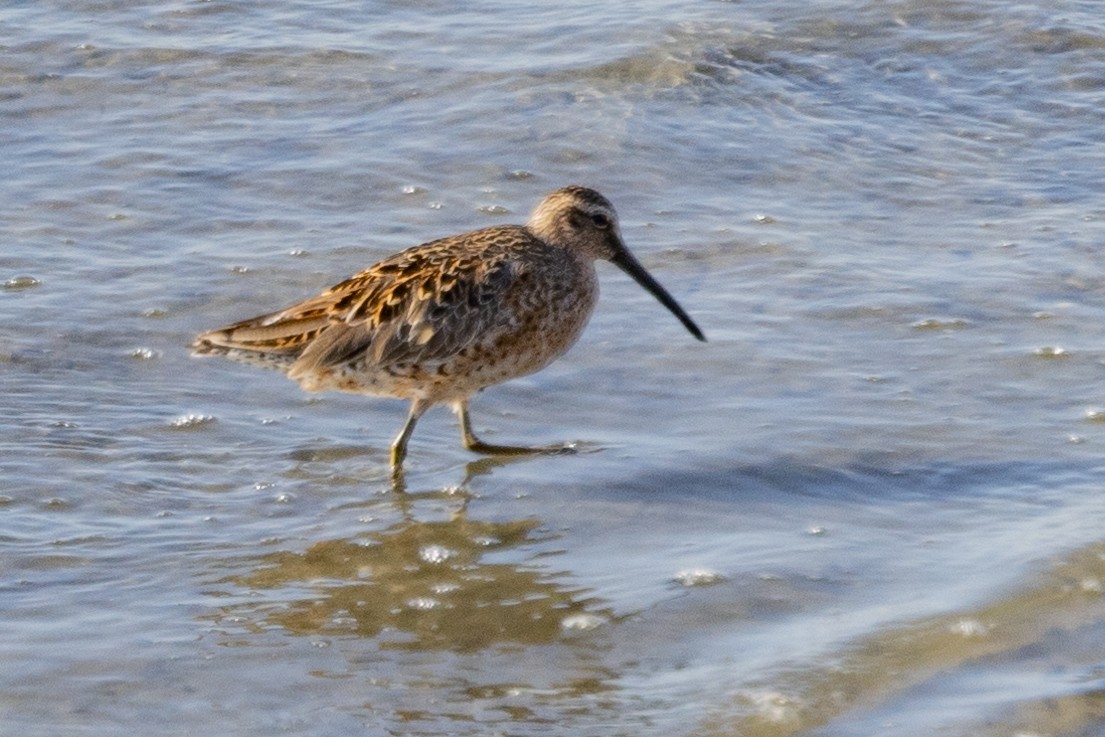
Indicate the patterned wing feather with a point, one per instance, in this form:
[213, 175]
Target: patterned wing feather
[421, 305]
[282, 333]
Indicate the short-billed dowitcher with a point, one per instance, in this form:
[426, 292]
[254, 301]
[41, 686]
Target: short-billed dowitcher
[440, 321]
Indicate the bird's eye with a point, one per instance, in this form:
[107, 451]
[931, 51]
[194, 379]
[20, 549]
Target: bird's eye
[600, 220]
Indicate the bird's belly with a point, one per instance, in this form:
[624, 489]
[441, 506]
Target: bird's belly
[539, 331]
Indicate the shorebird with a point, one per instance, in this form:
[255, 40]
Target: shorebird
[438, 322]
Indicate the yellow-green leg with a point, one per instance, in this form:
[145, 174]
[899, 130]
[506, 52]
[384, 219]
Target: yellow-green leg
[473, 443]
[399, 447]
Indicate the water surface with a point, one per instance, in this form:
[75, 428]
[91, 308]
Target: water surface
[870, 504]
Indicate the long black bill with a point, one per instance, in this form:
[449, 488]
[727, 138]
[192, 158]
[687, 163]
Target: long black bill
[625, 261]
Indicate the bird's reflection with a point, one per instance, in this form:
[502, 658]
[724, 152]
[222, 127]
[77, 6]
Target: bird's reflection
[421, 584]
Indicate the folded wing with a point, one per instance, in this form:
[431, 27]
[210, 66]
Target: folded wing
[421, 305]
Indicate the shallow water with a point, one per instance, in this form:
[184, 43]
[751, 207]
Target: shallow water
[870, 504]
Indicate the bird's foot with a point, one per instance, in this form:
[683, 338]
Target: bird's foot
[478, 446]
